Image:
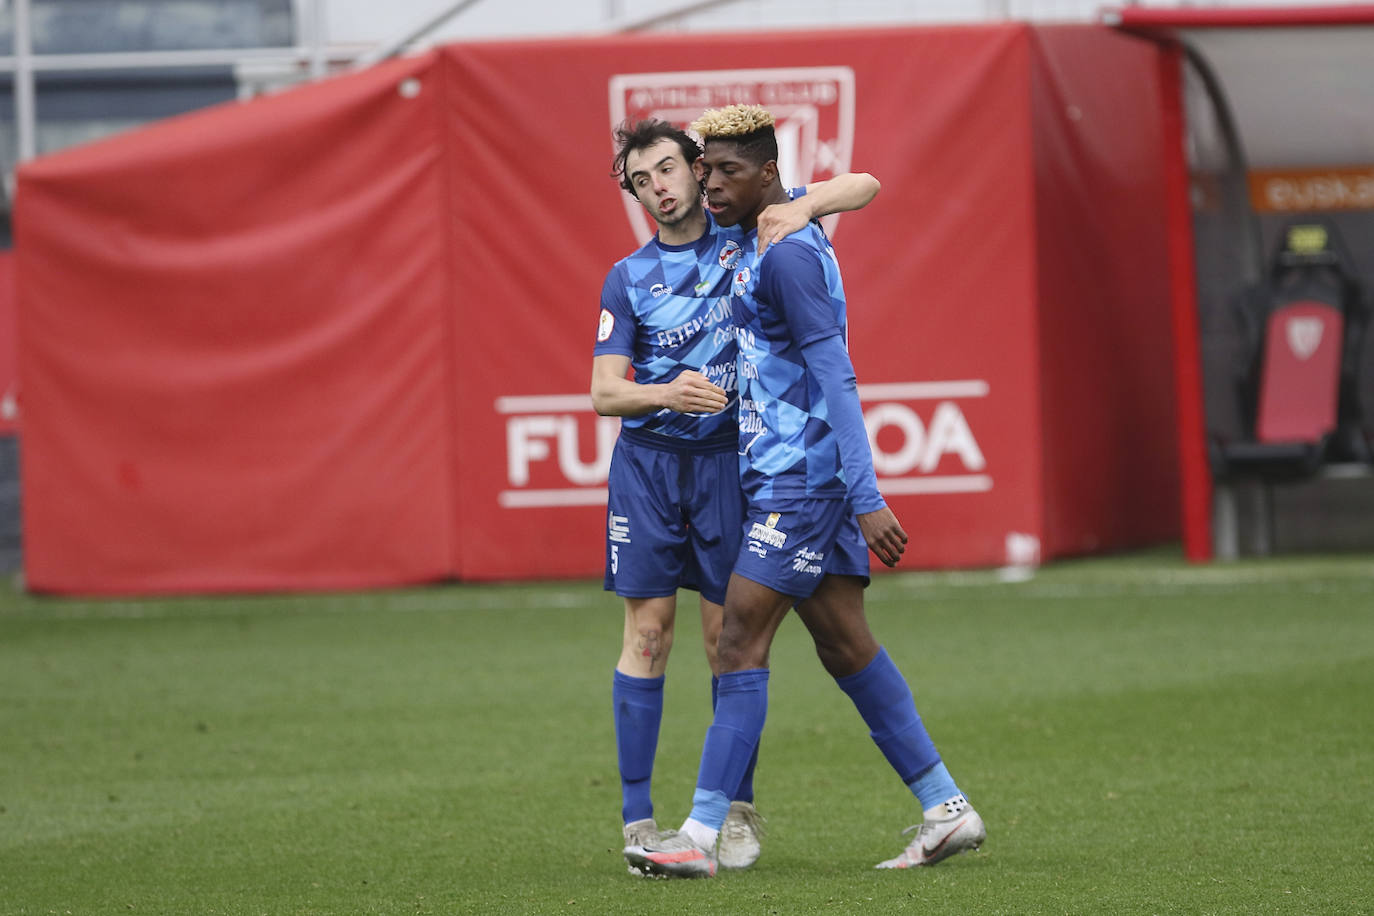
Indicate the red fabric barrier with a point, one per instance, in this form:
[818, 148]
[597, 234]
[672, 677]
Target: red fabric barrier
[949, 241]
[343, 336]
[233, 335]
[1108, 426]
[9, 356]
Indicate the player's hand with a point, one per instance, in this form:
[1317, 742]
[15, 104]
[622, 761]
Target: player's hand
[778, 221]
[884, 535]
[692, 392]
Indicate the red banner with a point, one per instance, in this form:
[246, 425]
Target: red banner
[9, 357]
[343, 336]
[233, 358]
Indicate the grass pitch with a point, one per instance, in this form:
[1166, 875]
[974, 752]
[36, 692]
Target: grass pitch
[1139, 735]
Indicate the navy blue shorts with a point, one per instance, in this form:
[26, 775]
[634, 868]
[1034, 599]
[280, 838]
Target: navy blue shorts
[674, 519]
[789, 544]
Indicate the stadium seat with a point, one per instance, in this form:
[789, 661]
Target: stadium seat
[1298, 384]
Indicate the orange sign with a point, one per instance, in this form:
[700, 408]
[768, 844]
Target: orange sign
[1308, 190]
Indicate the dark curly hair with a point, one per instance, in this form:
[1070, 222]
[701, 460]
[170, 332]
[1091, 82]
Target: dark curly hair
[642, 135]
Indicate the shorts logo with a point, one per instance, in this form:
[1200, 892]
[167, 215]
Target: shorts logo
[603, 330]
[618, 528]
[814, 108]
[768, 534]
[729, 255]
[807, 561]
[742, 281]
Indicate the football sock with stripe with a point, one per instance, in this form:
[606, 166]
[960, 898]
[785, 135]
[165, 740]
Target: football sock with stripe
[741, 707]
[882, 696]
[746, 784]
[638, 703]
[933, 788]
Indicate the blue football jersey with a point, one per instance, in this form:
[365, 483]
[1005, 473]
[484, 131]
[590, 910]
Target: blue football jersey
[788, 298]
[667, 307]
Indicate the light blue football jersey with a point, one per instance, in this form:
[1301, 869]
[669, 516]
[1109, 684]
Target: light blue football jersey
[783, 301]
[667, 307]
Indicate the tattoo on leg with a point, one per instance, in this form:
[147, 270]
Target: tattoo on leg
[649, 646]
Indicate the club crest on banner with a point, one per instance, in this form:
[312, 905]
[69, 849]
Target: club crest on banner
[1304, 335]
[813, 108]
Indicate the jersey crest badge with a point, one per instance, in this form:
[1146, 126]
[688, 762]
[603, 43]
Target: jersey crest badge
[742, 281]
[729, 255]
[603, 330]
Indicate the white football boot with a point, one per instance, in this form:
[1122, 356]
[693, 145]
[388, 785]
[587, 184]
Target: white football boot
[939, 838]
[739, 836]
[674, 855]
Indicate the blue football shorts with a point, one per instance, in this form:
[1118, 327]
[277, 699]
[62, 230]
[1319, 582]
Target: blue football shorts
[674, 519]
[790, 544]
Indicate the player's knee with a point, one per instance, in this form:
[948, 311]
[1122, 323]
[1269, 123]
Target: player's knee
[736, 652]
[650, 636]
[843, 657]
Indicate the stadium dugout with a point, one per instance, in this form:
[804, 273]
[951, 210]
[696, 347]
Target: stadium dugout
[1272, 226]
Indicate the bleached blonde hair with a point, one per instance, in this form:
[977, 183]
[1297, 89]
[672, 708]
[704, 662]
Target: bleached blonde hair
[732, 121]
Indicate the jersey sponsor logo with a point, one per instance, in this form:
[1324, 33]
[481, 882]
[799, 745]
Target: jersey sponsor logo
[729, 255]
[921, 437]
[660, 289]
[719, 313]
[722, 374]
[814, 108]
[605, 326]
[751, 425]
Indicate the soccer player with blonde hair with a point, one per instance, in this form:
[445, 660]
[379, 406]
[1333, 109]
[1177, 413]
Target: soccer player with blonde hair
[813, 513]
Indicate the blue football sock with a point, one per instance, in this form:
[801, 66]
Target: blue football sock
[741, 707]
[746, 784]
[882, 696]
[933, 787]
[638, 705]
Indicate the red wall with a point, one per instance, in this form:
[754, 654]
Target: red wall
[938, 291]
[232, 348]
[1105, 358]
[9, 356]
[342, 336]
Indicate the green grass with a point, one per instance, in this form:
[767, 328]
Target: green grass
[1140, 736]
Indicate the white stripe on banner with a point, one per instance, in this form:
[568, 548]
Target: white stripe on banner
[919, 391]
[544, 403]
[963, 483]
[537, 499]
[587, 496]
[897, 391]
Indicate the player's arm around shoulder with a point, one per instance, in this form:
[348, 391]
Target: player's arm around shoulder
[851, 191]
[615, 395]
